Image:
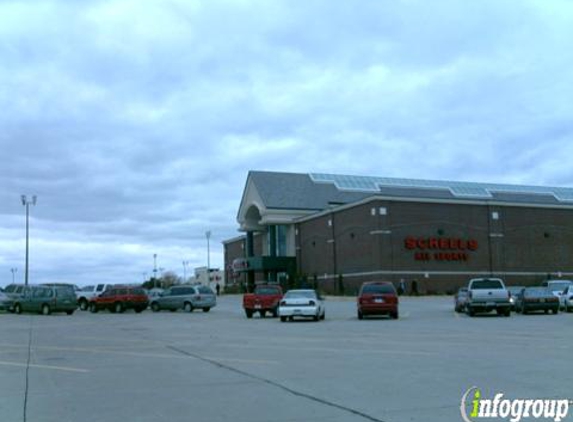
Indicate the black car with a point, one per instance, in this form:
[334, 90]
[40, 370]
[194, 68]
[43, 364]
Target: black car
[533, 299]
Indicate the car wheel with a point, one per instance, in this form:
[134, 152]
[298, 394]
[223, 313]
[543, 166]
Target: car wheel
[323, 316]
[523, 310]
[138, 310]
[263, 313]
[70, 312]
[17, 308]
[291, 318]
[555, 311]
[206, 309]
[394, 315]
[360, 315]
[507, 312]
[188, 307]
[45, 309]
[568, 309]
[93, 308]
[155, 307]
[275, 312]
[283, 319]
[471, 312]
[83, 305]
[118, 307]
[248, 313]
[316, 317]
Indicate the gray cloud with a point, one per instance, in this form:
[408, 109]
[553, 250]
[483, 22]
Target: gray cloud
[136, 124]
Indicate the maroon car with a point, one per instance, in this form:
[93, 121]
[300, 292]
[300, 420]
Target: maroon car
[118, 299]
[377, 298]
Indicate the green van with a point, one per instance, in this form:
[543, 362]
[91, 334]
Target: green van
[45, 300]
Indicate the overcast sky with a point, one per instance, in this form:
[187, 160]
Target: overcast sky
[136, 122]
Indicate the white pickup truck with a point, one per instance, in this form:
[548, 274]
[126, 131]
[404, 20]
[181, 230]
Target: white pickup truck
[488, 294]
[85, 294]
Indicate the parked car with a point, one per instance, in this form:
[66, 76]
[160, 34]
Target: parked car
[486, 295]
[14, 290]
[377, 298]
[558, 288]
[46, 300]
[461, 299]
[301, 303]
[567, 299]
[118, 299]
[6, 302]
[154, 293]
[87, 293]
[513, 292]
[265, 298]
[187, 298]
[533, 299]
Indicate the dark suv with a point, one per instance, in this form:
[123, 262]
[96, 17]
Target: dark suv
[45, 299]
[117, 299]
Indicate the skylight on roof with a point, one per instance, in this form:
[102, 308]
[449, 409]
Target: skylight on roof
[458, 189]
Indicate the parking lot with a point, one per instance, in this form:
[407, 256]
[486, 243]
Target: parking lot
[220, 366]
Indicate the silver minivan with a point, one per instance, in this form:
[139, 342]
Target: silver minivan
[187, 298]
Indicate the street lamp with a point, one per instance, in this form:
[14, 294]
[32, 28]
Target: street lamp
[13, 271]
[27, 204]
[185, 263]
[155, 270]
[208, 236]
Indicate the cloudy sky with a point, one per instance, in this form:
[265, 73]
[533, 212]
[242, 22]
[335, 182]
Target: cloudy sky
[136, 122]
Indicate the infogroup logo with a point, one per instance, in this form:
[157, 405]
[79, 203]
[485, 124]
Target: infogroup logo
[474, 407]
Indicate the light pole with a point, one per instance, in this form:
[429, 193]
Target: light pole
[208, 236]
[185, 263]
[13, 271]
[155, 270]
[27, 204]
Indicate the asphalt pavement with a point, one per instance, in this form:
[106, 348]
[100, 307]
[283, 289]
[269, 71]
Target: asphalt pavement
[220, 366]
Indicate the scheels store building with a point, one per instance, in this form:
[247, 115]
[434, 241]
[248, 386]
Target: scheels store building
[337, 231]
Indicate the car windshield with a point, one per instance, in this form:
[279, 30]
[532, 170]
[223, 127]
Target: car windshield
[378, 289]
[267, 291]
[487, 283]
[537, 292]
[294, 294]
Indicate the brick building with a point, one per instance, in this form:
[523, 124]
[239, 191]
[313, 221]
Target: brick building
[339, 231]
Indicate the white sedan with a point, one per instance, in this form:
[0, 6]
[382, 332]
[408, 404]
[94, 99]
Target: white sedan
[567, 299]
[301, 303]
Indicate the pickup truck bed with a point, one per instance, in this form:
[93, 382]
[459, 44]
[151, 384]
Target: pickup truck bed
[264, 299]
[488, 294]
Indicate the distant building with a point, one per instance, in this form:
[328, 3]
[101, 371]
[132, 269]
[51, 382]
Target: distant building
[328, 229]
[212, 278]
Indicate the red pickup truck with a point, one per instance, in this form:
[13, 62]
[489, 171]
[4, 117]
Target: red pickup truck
[265, 298]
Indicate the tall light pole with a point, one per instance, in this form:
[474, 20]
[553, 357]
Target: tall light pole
[208, 236]
[185, 263]
[155, 270]
[13, 271]
[27, 204]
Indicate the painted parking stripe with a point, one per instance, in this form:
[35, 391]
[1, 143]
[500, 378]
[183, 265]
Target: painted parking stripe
[51, 367]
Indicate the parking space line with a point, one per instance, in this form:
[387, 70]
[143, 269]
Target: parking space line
[56, 368]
